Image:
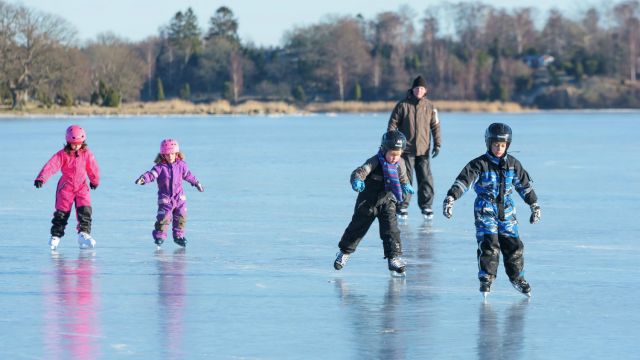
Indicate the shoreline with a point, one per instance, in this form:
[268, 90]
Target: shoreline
[222, 107]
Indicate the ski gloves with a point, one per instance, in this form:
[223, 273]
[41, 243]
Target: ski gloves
[447, 210]
[447, 207]
[407, 189]
[198, 186]
[535, 213]
[435, 151]
[38, 184]
[357, 185]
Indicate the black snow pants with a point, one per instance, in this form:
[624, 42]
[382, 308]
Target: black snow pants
[60, 219]
[368, 207]
[424, 187]
[489, 255]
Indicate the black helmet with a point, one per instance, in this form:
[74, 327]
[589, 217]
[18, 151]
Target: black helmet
[498, 132]
[393, 140]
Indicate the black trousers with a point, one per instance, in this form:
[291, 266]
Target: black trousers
[366, 211]
[424, 187]
[489, 249]
[60, 219]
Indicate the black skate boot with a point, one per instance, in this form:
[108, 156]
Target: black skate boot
[403, 214]
[485, 285]
[427, 213]
[158, 241]
[396, 266]
[522, 286]
[180, 241]
[341, 260]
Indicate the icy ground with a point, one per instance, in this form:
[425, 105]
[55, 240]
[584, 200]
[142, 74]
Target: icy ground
[256, 280]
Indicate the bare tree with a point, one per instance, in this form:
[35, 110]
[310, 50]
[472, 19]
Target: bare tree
[29, 40]
[626, 15]
[114, 62]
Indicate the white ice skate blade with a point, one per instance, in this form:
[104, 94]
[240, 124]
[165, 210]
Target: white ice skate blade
[485, 294]
[403, 217]
[396, 274]
[428, 217]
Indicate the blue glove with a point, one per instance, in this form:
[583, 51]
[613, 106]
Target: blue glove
[408, 189]
[357, 185]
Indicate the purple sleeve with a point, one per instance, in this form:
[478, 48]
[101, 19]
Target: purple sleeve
[188, 176]
[152, 174]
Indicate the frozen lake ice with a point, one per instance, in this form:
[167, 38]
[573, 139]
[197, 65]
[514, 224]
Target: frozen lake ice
[256, 280]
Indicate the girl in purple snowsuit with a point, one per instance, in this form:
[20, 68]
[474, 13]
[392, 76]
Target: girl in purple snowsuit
[169, 172]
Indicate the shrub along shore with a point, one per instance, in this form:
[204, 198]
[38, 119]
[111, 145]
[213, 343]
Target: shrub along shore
[223, 107]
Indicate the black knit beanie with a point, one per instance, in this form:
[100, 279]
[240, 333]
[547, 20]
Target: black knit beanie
[419, 81]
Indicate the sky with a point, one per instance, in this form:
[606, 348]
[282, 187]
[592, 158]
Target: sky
[262, 22]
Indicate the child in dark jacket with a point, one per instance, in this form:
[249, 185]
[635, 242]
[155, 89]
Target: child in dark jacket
[494, 176]
[169, 172]
[381, 183]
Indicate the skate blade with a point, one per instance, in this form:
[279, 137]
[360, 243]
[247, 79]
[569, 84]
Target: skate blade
[396, 274]
[428, 217]
[485, 294]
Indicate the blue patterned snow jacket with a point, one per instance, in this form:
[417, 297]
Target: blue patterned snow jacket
[494, 180]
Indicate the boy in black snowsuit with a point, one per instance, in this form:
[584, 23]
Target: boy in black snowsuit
[380, 182]
[494, 176]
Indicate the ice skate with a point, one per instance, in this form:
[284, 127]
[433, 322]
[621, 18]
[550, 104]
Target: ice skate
[180, 241]
[396, 266]
[403, 214]
[85, 241]
[522, 286]
[54, 241]
[427, 213]
[485, 286]
[158, 243]
[341, 260]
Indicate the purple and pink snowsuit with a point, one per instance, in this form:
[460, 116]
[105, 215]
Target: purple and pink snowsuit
[171, 198]
[72, 187]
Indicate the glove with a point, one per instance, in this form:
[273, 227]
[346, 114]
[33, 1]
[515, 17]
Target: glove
[435, 151]
[199, 187]
[140, 180]
[407, 189]
[535, 213]
[447, 207]
[38, 184]
[93, 186]
[357, 185]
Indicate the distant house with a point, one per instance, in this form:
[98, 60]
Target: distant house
[537, 61]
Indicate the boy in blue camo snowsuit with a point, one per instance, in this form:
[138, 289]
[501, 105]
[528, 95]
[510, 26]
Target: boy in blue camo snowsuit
[494, 177]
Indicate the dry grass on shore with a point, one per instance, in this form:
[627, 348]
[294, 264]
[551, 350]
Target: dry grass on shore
[180, 107]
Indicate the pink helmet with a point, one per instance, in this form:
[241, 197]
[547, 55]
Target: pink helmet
[169, 146]
[75, 135]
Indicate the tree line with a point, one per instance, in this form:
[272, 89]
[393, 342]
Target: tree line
[466, 50]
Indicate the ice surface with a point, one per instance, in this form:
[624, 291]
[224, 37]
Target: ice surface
[257, 281]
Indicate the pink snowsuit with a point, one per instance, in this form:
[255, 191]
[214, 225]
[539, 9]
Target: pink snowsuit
[171, 198]
[72, 187]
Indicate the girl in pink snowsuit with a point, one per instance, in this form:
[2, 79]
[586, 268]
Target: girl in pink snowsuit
[169, 172]
[77, 163]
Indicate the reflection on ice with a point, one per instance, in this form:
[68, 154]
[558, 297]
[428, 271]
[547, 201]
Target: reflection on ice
[172, 289]
[506, 344]
[375, 324]
[71, 323]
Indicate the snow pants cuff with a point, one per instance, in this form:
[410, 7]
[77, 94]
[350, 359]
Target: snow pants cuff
[84, 218]
[59, 221]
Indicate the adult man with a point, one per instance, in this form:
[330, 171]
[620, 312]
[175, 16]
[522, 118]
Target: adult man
[417, 119]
